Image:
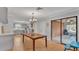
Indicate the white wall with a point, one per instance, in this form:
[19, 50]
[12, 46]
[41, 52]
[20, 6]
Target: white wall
[43, 27]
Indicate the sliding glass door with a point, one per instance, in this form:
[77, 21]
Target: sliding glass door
[64, 28]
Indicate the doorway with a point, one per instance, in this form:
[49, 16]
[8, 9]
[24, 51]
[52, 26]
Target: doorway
[56, 30]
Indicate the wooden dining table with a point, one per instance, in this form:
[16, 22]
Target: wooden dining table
[35, 36]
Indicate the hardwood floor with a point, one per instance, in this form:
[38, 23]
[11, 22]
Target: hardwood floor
[40, 46]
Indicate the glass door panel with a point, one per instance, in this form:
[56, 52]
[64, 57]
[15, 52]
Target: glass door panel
[69, 28]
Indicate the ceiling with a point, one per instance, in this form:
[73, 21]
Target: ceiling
[45, 13]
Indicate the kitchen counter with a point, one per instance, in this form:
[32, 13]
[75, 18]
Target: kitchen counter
[6, 41]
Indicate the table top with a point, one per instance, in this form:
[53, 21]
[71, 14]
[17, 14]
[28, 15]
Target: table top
[34, 35]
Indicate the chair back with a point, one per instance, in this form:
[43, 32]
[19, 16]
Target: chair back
[72, 40]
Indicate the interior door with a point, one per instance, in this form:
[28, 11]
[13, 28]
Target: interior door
[55, 30]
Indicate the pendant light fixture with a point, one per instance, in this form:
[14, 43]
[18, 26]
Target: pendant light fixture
[34, 19]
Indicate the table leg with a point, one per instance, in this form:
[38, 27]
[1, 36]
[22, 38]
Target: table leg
[23, 38]
[46, 41]
[74, 49]
[33, 45]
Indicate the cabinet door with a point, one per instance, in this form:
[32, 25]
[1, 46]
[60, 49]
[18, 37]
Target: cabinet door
[3, 15]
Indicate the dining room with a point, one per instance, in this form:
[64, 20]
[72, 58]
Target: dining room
[38, 28]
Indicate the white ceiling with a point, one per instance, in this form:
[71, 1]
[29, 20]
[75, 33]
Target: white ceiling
[45, 13]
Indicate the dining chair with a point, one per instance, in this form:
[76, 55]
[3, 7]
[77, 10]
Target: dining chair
[71, 43]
